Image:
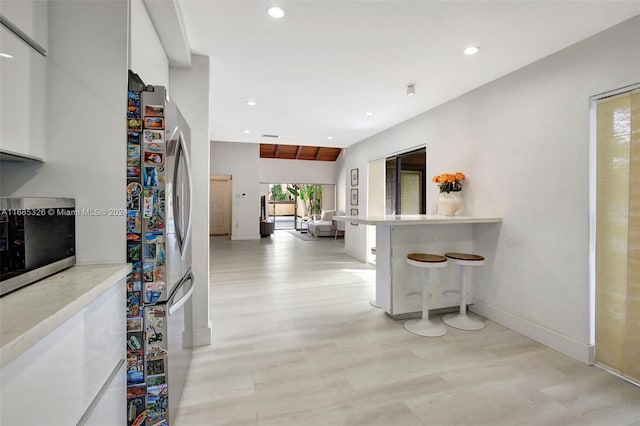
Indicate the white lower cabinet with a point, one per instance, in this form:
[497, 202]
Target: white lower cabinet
[111, 408]
[56, 381]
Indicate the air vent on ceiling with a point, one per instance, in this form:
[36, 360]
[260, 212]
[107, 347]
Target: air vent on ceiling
[271, 136]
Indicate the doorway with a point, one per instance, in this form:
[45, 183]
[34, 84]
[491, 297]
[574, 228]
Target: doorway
[616, 261]
[220, 204]
[291, 205]
[406, 183]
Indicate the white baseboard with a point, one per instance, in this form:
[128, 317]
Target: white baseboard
[582, 352]
[245, 237]
[197, 337]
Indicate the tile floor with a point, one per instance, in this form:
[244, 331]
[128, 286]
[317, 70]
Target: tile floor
[295, 342]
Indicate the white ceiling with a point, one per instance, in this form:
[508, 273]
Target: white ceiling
[317, 71]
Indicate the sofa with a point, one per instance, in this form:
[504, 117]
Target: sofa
[323, 225]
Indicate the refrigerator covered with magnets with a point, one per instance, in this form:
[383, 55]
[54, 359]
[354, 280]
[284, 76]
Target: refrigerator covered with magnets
[158, 232]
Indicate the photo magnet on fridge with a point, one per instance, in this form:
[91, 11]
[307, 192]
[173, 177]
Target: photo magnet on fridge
[158, 274]
[156, 222]
[136, 391]
[153, 136]
[134, 225]
[134, 324]
[134, 341]
[157, 403]
[134, 124]
[133, 155]
[154, 237]
[151, 177]
[134, 238]
[147, 209]
[154, 123]
[149, 252]
[133, 172]
[153, 147]
[155, 352]
[133, 285]
[154, 286]
[133, 104]
[152, 296]
[134, 252]
[134, 189]
[133, 138]
[147, 272]
[134, 308]
[136, 271]
[155, 366]
[136, 407]
[154, 110]
[135, 367]
[160, 254]
[153, 158]
[160, 379]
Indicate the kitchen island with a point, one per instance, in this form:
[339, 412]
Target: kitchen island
[398, 285]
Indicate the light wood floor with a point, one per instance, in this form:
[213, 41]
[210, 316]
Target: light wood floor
[295, 342]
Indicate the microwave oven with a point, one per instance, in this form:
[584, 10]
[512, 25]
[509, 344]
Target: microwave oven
[37, 239]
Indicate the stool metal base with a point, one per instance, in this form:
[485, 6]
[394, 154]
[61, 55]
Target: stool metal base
[463, 322]
[425, 328]
[373, 303]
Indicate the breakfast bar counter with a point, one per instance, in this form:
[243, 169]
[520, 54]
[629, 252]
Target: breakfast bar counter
[398, 289]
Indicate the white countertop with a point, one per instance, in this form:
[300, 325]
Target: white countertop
[31, 313]
[416, 219]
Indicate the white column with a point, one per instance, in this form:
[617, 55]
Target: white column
[189, 88]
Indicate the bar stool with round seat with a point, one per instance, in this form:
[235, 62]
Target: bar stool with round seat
[423, 326]
[461, 320]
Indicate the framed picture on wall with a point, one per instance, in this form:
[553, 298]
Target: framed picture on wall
[354, 196]
[354, 212]
[354, 177]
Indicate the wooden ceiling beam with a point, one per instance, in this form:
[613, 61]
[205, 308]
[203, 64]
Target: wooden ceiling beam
[298, 151]
[318, 153]
[275, 155]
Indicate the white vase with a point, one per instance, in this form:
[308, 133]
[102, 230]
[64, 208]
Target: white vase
[449, 203]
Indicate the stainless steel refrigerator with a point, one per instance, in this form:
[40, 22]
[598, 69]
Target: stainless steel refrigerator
[160, 286]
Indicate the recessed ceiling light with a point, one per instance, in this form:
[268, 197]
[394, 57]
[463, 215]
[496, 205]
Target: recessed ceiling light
[369, 113]
[246, 131]
[329, 137]
[251, 103]
[275, 12]
[411, 89]
[471, 50]
[5, 55]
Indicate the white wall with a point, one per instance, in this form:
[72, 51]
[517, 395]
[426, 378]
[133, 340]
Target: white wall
[240, 160]
[523, 141]
[190, 91]
[275, 170]
[147, 56]
[86, 111]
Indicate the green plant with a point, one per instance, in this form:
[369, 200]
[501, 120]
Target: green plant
[310, 195]
[277, 194]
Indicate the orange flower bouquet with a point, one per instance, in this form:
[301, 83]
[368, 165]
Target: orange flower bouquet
[449, 182]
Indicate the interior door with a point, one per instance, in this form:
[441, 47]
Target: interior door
[220, 205]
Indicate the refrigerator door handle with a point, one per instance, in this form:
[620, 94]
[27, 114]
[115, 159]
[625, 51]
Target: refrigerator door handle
[187, 162]
[174, 305]
[181, 153]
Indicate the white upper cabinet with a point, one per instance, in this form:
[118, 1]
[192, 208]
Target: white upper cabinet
[23, 74]
[28, 15]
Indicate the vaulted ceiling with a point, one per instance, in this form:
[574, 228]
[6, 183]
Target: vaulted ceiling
[299, 152]
[315, 73]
